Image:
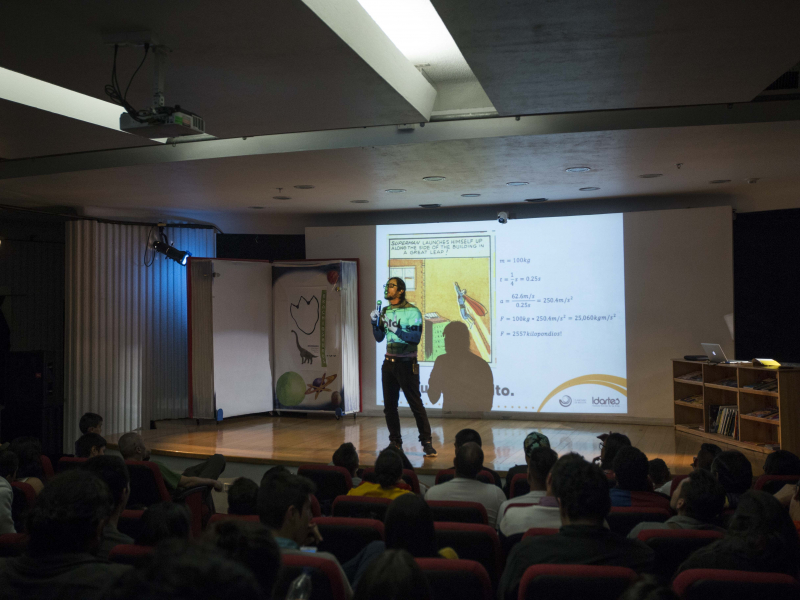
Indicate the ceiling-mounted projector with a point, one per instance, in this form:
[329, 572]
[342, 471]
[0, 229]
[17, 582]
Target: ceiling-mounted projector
[162, 122]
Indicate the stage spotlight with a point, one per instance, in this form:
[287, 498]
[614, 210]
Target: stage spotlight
[178, 256]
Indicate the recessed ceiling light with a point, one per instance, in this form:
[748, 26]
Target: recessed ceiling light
[281, 198]
[304, 187]
[360, 201]
[536, 200]
[434, 178]
[650, 175]
[396, 191]
[589, 189]
[517, 183]
[578, 169]
[256, 207]
[470, 195]
[430, 205]
[720, 181]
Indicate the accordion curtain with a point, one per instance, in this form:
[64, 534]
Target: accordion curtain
[126, 347]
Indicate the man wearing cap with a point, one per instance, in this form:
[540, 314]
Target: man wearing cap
[400, 324]
[533, 440]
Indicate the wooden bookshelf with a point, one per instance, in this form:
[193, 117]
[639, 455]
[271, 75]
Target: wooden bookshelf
[754, 432]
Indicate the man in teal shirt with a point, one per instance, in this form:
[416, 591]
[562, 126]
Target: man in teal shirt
[400, 324]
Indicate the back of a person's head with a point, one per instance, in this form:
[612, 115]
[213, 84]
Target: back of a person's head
[540, 461]
[346, 457]
[733, 471]
[185, 571]
[388, 468]
[67, 514]
[243, 497]
[658, 471]
[468, 435]
[648, 588]
[278, 492]
[29, 453]
[782, 462]
[128, 443]
[703, 496]
[89, 421]
[85, 443]
[9, 464]
[409, 526]
[164, 521]
[581, 487]
[399, 451]
[631, 468]
[614, 442]
[706, 455]
[394, 575]
[469, 460]
[765, 527]
[251, 545]
[113, 471]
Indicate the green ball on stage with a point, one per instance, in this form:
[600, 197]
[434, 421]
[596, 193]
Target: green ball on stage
[290, 389]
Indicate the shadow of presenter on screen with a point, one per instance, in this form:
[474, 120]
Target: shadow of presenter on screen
[464, 379]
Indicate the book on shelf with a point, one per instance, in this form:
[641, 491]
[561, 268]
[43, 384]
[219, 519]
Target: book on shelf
[726, 382]
[768, 413]
[696, 399]
[693, 376]
[771, 446]
[766, 385]
[726, 422]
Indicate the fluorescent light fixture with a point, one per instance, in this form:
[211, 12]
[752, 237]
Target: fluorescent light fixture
[578, 170]
[22, 89]
[434, 178]
[396, 191]
[516, 183]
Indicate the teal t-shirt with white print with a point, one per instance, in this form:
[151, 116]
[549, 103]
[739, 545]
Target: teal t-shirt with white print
[408, 320]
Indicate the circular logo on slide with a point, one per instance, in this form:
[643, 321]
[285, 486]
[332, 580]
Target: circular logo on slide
[565, 401]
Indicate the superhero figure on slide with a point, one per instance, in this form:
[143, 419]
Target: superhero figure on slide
[400, 324]
[464, 300]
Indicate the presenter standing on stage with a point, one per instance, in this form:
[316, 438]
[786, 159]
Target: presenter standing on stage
[401, 324]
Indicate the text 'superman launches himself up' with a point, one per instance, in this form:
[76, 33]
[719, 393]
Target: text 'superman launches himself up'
[401, 324]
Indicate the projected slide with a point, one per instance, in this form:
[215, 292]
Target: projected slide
[526, 317]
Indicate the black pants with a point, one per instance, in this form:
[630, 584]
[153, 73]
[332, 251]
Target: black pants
[210, 468]
[397, 376]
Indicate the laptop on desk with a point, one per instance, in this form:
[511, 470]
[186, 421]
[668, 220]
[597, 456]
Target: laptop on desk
[717, 356]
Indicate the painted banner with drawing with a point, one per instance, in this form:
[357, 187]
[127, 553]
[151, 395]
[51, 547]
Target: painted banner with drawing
[307, 308]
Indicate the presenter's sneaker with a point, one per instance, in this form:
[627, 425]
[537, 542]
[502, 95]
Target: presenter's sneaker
[429, 450]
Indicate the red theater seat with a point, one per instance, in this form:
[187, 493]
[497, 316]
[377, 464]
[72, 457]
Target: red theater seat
[519, 485]
[461, 579]
[459, 512]
[675, 482]
[473, 542]
[622, 519]
[47, 467]
[326, 578]
[66, 463]
[345, 537]
[702, 584]
[130, 554]
[673, 546]
[567, 582]
[774, 483]
[360, 507]
[27, 490]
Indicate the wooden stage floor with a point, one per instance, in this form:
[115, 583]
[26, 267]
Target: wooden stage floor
[296, 440]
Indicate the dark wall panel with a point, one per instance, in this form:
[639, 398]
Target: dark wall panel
[261, 247]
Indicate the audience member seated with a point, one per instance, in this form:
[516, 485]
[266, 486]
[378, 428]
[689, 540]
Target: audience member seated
[184, 571]
[465, 487]
[782, 462]
[204, 473]
[408, 526]
[660, 476]
[735, 473]
[284, 506]
[633, 484]
[164, 521]
[91, 423]
[581, 489]
[8, 471]
[243, 497]
[90, 445]
[760, 537]
[65, 526]
[29, 454]
[112, 470]
[347, 458]
[648, 588]
[609, 447]
[389, 473]
[250, 545]
[705, 456]
[395, 575]
[701, 500]
[532, 440]
[544, 513]
[470, 435]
